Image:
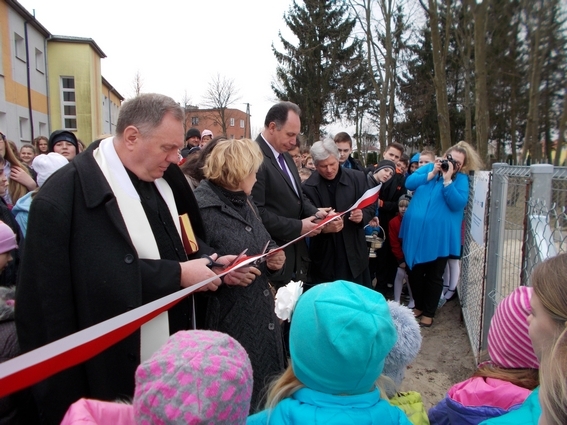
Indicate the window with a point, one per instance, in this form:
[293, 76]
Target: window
[68, 105]
[43, 129]
[241, 123]
[232, 122]
[194, 120]
[19, 47]
[39, 62]
[25, 131]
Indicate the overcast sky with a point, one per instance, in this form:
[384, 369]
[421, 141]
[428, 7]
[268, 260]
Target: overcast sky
[178, 45]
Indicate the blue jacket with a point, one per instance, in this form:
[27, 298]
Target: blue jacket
[307, 406]
[528, 413]
[22, 210]
[431, 227]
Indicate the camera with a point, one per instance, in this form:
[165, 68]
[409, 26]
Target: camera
[445, 163]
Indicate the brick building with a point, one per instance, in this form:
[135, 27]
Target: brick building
[236, 122]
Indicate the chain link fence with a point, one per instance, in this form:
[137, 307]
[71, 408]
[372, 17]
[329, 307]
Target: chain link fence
[525, 223]
[471, 285]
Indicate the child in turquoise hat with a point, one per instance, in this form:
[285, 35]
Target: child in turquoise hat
[340, 336]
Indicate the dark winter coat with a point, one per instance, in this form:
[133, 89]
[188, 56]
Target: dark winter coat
[81, 268]
[355, 164]
[245, 313]
[322, 251]
[389, 195]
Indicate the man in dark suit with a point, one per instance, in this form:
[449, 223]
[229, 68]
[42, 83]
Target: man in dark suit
[285, 211]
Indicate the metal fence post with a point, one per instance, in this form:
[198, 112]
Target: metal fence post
[539, 239]
[497, 215]
[541, 183]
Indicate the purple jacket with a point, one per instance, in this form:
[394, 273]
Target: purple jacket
[475, 400]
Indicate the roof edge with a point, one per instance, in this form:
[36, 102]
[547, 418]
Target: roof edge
[79, 40]
[29, 17]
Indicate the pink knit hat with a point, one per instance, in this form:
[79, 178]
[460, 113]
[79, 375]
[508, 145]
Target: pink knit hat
[196, 377]
[509, 344]
[7, 238]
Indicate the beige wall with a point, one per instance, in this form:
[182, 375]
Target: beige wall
[85, 68]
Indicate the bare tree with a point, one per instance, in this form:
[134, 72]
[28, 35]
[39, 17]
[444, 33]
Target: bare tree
[138, 83]
[562, 130]
[382, 48]
[221, 93]
[464, 38]
[440, 46]
[481, 91]
[186, 105]
[536, 22]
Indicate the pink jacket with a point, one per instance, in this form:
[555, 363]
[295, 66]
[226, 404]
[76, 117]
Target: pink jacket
[95, 412]
[477, 399]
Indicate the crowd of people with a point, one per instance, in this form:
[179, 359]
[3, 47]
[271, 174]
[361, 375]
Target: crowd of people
[91, 233]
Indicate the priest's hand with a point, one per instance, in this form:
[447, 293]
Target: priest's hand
[195, 271]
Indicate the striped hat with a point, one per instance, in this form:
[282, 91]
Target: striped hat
[509, 344]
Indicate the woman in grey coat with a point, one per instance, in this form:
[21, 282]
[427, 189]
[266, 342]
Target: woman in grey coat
[232, 224]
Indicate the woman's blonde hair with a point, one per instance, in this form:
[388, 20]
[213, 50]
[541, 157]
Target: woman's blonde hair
[472, 159]
[15, 189]
[553, 379]
[231, 161]
[548, 281]
[525, 378]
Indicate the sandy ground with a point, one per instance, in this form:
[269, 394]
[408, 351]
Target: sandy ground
[445, 358]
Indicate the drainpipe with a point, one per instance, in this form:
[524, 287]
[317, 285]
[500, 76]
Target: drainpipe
[28, 79]
[109, 113]
[48, 123]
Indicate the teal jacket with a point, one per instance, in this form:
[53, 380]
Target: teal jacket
[307, 406]
[527, 414]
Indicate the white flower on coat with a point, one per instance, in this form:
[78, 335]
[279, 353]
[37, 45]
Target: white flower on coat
[286, 298]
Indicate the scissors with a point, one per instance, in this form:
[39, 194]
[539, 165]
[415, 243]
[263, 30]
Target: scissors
[237, 259]
[261, 260]
[213, 263]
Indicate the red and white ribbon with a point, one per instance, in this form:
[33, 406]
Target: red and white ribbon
[43, 362]
[32, 367]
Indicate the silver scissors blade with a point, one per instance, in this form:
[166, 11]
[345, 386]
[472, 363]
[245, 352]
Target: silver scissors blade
[238, 257]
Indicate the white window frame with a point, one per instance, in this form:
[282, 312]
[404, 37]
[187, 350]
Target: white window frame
[194, 121]
[241, 123]
[232, 122]
[65, 117]
[24, 130]
[19, 47]
[39, 61]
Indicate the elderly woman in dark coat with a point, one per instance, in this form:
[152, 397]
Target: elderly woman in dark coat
[233, 224]
[339, 252]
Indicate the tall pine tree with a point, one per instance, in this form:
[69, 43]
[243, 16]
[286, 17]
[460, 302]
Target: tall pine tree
[314, 73]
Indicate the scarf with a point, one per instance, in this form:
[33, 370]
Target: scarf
[154, 333]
